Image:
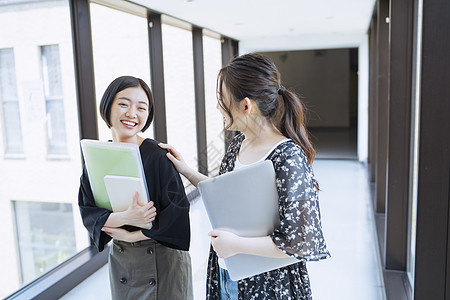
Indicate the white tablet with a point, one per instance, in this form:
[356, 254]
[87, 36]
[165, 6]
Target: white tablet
[245, 202]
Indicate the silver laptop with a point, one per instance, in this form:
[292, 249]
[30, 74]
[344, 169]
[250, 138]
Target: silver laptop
[245, 202]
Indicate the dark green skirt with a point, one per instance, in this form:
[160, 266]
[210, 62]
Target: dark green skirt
[149, 270]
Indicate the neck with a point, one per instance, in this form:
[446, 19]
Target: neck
[259, 130]
[135, 139]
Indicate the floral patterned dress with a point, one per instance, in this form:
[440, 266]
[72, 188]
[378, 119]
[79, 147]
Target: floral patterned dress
[299, 233]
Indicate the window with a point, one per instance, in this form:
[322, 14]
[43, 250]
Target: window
[120, 46]
[45, 236]
[214, 121]
[10, 105]
[37, 76]
[179, 91]
[51, 76]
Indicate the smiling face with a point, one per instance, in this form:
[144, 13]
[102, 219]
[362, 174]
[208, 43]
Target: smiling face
[129, 113]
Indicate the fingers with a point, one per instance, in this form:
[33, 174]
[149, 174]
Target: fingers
[152, 217]
[164, 146]
[149, 205]
[173, 154]
[135, 199]
[107, 230]
[168, 148]
[139, 213]
[171, 150]
[172, 158]
[152, 210]
[150, 213]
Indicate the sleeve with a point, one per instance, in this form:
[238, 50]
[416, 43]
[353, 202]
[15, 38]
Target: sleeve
[94, 218]
[171, 226]
[300, 231]
[229, 158]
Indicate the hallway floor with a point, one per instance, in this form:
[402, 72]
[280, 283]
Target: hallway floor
[352, 273]
[354, 270]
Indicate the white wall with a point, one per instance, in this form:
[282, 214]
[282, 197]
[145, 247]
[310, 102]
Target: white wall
[301, 42]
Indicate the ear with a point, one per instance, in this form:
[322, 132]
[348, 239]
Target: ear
[246, 105]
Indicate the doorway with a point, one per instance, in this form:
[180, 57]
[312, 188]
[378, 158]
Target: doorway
[327, 82]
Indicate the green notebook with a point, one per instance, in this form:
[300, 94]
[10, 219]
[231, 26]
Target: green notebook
[110, 158]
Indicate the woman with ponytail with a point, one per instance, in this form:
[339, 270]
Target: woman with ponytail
[271, 123]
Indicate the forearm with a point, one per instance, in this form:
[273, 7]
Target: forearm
[135, 215]
[194, 176]
[262, 246]
[124, 235]
[115, 219]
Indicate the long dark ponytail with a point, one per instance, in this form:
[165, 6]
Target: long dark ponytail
[255, 76]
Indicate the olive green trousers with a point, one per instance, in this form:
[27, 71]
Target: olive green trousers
[148, 270]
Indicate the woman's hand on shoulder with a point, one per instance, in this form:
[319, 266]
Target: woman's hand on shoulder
[180, 164]
[176, 158]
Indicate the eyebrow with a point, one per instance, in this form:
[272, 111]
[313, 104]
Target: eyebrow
[139, 101]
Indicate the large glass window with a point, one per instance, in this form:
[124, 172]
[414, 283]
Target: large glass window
[45, 235]
[212, 54]
[179, 91]
[120, 46]
[10, 103]
[41, 225]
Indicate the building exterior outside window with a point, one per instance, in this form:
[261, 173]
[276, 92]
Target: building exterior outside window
[179, 92]
[40, 158]
[54, 104]
[120, 47]
[10, 103]
[212, 55]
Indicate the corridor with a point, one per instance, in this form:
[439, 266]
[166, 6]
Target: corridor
[352, 273]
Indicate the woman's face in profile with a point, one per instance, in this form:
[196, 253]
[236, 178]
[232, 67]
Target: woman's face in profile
[226, 101]
[129, 112]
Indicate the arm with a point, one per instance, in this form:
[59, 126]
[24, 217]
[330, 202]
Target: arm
[124, 235]
[300, 231]
[178, 161]
[299, 234]
[135, 214]
[171, 227]
[95, 218]
[227, 244]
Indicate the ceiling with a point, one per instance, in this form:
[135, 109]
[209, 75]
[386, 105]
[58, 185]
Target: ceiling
[270, 25]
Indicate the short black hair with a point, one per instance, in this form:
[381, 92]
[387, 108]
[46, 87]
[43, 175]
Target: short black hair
[117, 85]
